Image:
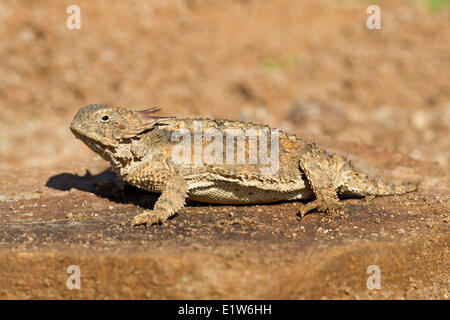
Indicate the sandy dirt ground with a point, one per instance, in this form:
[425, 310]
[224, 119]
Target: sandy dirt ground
[379, 97]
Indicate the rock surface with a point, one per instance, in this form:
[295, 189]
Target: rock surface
[55, 218]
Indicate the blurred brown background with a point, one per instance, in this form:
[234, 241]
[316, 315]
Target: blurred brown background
[380, 97]
[310, 67]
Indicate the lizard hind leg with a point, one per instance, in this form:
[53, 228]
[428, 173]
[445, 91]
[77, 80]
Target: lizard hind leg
[323, 171]
[360, 184]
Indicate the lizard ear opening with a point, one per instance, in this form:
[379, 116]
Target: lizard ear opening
[142, 121]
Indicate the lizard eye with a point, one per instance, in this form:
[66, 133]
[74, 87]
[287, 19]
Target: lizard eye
[105, 118]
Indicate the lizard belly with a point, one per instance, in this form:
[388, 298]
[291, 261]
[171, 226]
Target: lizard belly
[229, 193]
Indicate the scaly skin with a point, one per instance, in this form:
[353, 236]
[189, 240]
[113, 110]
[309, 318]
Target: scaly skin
[140, 148]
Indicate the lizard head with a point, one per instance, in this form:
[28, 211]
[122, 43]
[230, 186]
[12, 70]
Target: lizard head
[101, 127]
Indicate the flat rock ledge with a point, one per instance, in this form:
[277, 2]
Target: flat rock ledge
[51, 219]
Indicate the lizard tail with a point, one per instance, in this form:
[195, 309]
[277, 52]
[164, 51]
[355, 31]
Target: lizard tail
[361, 185]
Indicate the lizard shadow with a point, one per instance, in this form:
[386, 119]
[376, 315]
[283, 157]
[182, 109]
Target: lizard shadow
[107, 184]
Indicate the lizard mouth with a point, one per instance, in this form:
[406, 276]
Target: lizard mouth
[93, 144]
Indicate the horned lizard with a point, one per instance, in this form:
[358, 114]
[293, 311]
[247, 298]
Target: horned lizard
[144, 150]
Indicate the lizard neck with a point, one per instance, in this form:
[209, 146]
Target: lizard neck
[123, 157]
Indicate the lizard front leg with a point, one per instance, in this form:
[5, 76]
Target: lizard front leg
[171, 200]
[323, 172]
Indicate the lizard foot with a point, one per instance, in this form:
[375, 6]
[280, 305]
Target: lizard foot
[149, 218]
[324, 204]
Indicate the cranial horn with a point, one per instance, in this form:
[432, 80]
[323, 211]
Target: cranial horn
[144, 119]
[147, 114]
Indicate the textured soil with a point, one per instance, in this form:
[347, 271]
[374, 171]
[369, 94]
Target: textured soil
[379, 97]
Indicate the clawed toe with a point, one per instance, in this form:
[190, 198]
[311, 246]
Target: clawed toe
[327, 206]
[147, 218]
